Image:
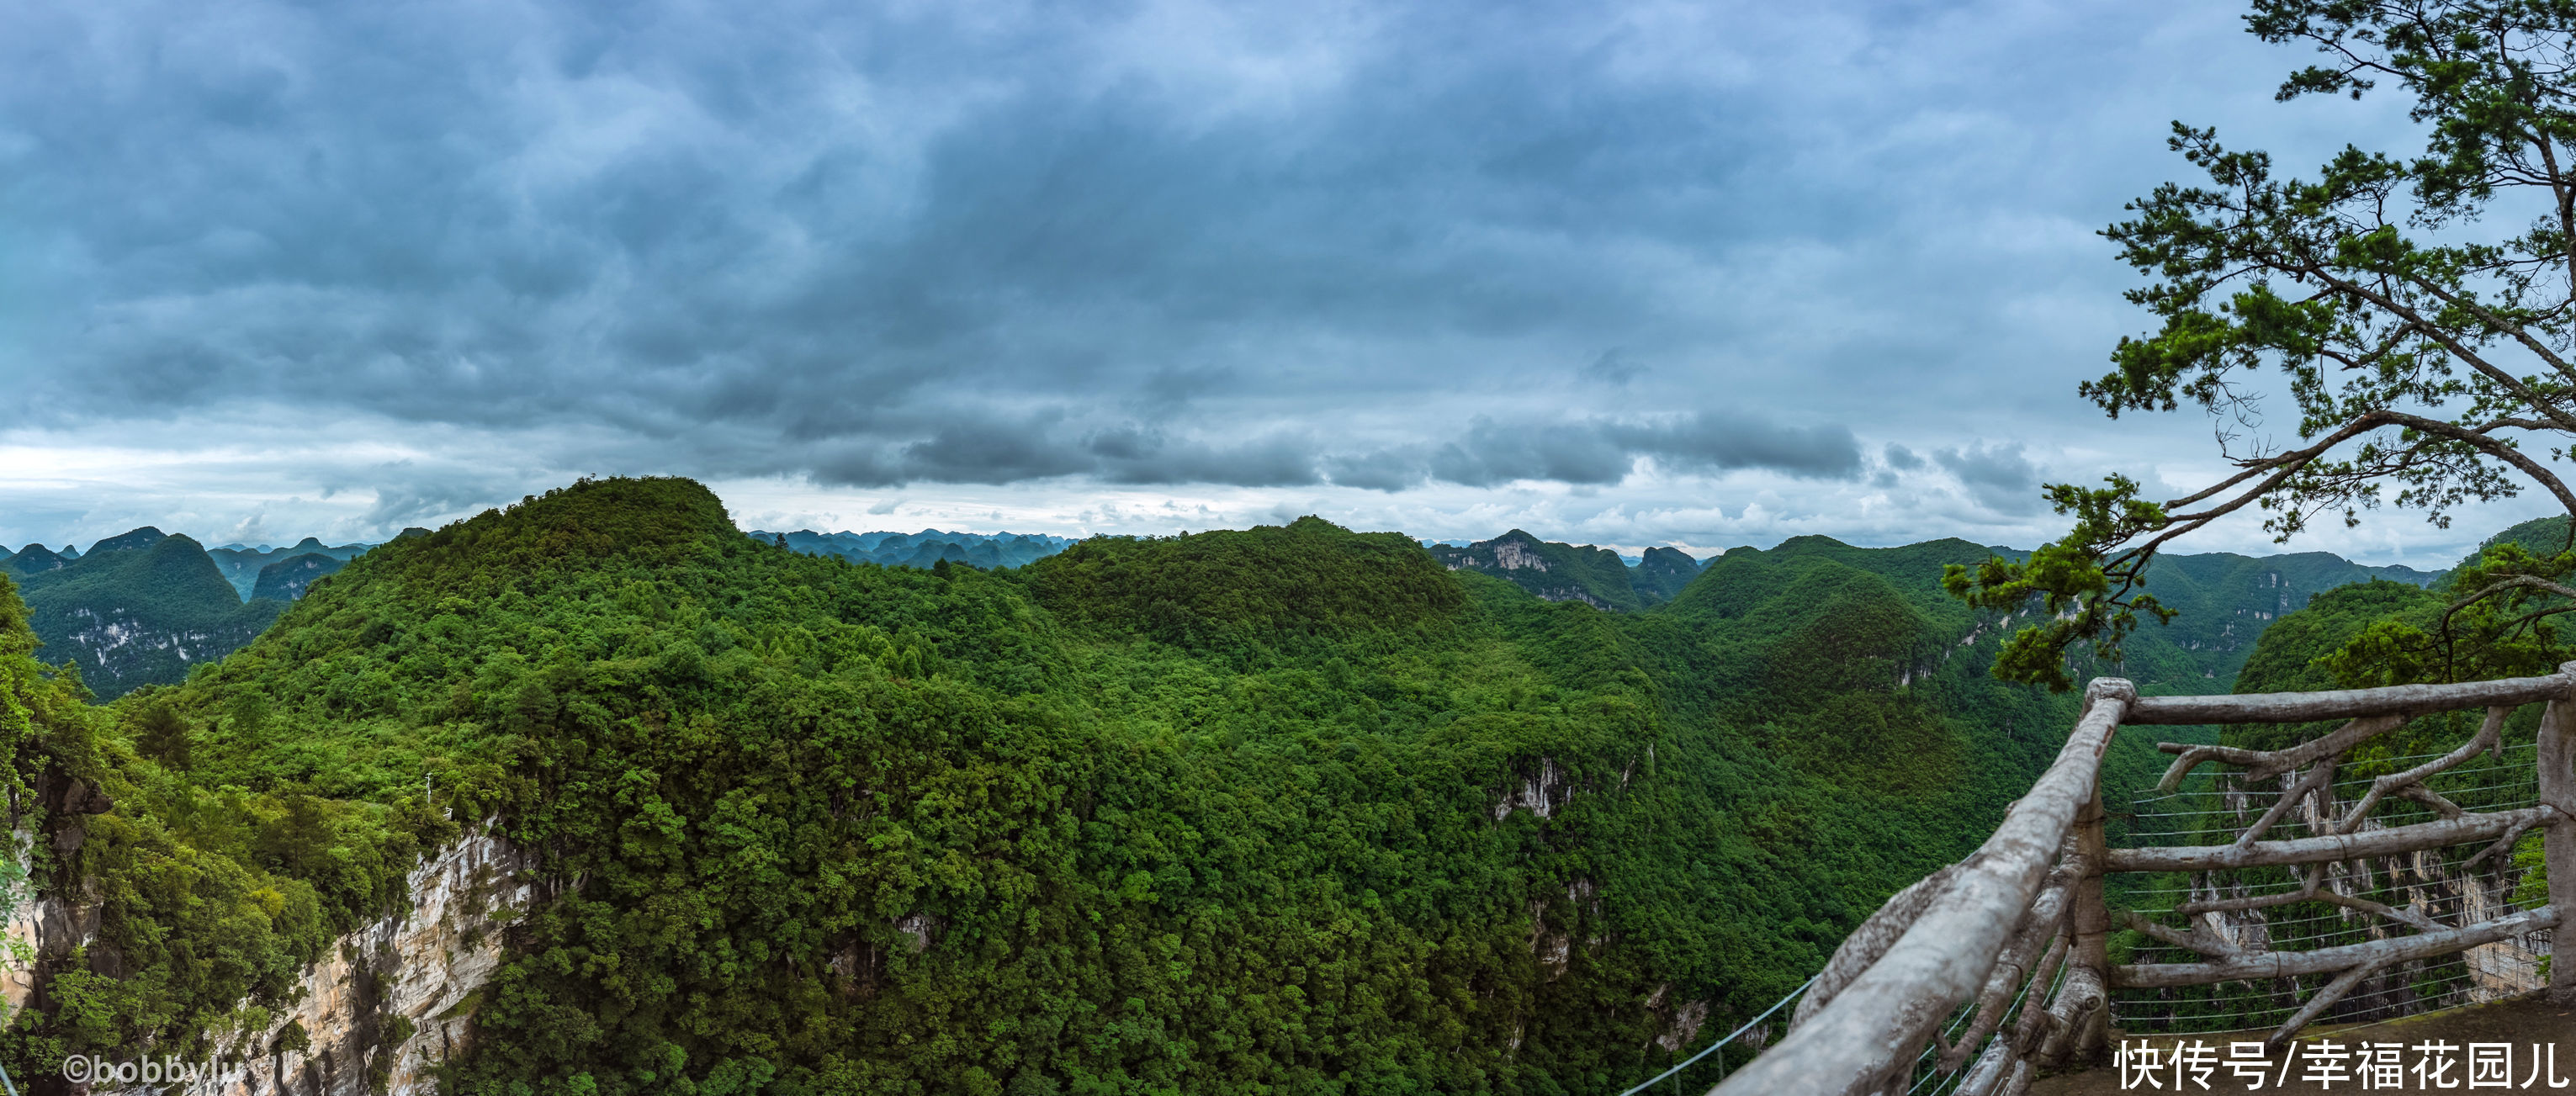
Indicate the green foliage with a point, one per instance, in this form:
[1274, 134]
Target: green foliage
[1562, 572]
[1662, 574]
[2543, 537]
[2402, 337]
[1287, 809]
[2089, 595]
[140, 609]
[1309, 578]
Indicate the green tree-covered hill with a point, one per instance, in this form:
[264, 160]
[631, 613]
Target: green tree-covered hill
[1660, 575]
[286, 579]
[242, 566]
[1550, 570]
[140, 608]
[1286, 809]
[1283, 809]
[32, 559]
[926, 548]
[2227, 602]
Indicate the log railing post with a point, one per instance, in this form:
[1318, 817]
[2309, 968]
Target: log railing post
[2557, 762]
[2089, 924]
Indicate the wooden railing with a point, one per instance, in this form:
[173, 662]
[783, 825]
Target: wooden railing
[2017, 932]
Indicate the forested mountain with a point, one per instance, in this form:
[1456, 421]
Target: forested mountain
[286, 579]
[1291, 808]
[2226, 603]
[1555, 571]
[34, 558]
[926, 548]
[140, 608]
[2541, 537]
[1309, 808]
[1661, 574]
[242, 565]
[2226, 600]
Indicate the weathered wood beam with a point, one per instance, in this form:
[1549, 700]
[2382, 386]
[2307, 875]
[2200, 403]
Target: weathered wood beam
[2307, 890]
[1870, 940]
[2320, 775]
[2501, 844]
[2188, 941]
[2407, 700]
[2088, 925]
[2557, 762]
[2318, 1003]
[2489, 737]
[2262, 765]
[2039, 928]
[2404, 916]
[2310, 850]
[2071, 1015]
[2018, 1084]
[2032, 1029]
[1886, 1016]
[2431, 798]
[2284, 964]
[1993, 1067]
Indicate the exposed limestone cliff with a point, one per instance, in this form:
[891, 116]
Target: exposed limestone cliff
[1551, 571]
[395, 998]
[390, 1002]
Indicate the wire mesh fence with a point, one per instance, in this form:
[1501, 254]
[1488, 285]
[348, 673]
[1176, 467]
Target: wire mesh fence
[2441, 887]
[2314, 877]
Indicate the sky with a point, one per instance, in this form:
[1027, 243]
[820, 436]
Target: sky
[1628, 274]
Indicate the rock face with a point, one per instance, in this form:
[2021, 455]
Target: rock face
[44, 930]
[393, 999]
[1549, 570]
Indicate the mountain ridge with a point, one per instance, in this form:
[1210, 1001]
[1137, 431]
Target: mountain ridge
[1145, 784]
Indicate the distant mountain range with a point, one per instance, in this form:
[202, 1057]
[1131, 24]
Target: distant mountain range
[923, 549]
[143, 607]
[2226, 600]
[242, 566]
[138, 608]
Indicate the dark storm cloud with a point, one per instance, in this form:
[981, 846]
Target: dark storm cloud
[1606, 451]
[1721, 441]
[876, 245]
[1996, 474]
[789, 218]
[1615, 367]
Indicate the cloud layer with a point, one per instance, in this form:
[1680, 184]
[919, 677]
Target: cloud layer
[1423, 262]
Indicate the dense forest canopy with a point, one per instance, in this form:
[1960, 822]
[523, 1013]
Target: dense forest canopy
[1286, 809]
